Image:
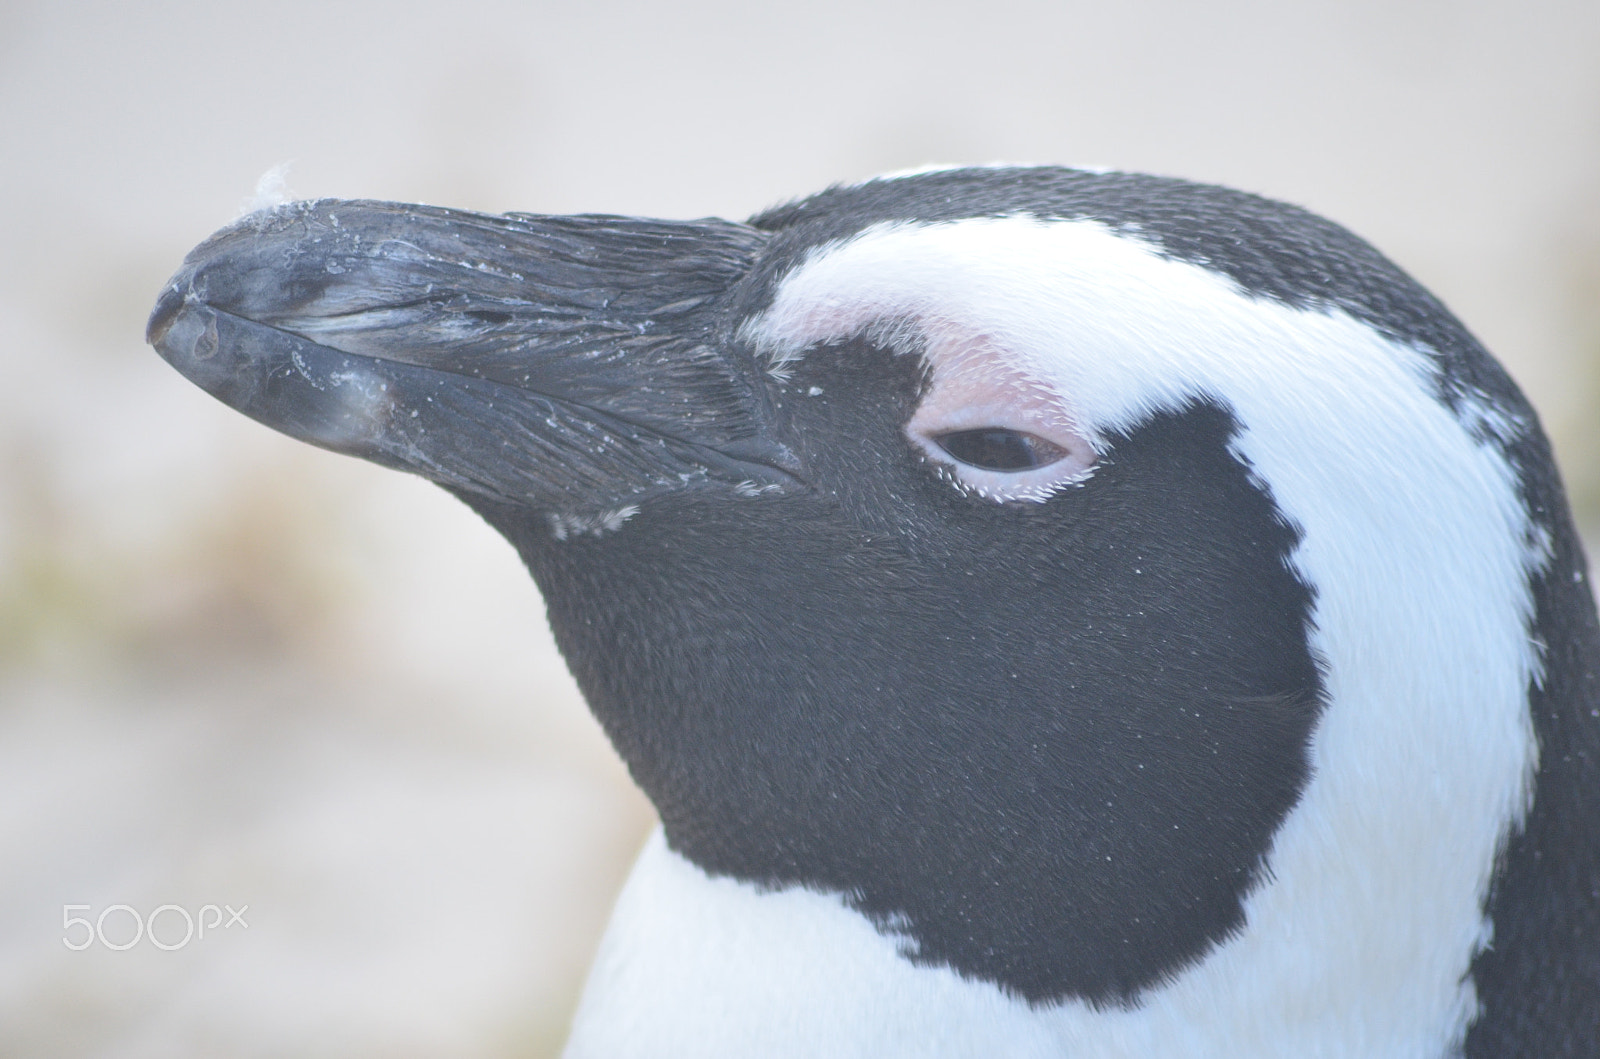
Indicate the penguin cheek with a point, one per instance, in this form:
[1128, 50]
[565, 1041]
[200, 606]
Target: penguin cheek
[992, 431]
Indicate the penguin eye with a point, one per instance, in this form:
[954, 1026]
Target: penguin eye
[991, 430]
[999, 449]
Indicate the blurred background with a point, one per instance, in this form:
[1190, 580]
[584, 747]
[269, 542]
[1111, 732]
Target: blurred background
[238, 671]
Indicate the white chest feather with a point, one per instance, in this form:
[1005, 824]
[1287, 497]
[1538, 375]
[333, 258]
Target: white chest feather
[701, 968]
[694, 967]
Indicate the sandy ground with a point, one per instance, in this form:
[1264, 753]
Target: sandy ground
[237, 671]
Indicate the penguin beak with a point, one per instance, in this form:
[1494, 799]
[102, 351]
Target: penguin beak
[569, 363]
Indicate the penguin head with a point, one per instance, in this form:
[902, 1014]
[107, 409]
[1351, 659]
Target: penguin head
[1092, 579]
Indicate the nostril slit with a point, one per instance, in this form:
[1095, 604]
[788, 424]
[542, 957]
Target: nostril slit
[205, 347]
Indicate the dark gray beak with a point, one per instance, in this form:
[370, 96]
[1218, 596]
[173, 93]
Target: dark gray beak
[569, 363]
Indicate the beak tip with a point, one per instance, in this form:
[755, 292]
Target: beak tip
[184, 333]
[162, 317]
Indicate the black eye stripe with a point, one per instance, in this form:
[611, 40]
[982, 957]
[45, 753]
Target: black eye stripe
[999, 449]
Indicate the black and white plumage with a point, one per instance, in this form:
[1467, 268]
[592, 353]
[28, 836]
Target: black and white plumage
[1053, 612]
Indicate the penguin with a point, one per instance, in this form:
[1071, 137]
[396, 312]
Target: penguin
[1053, 612]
